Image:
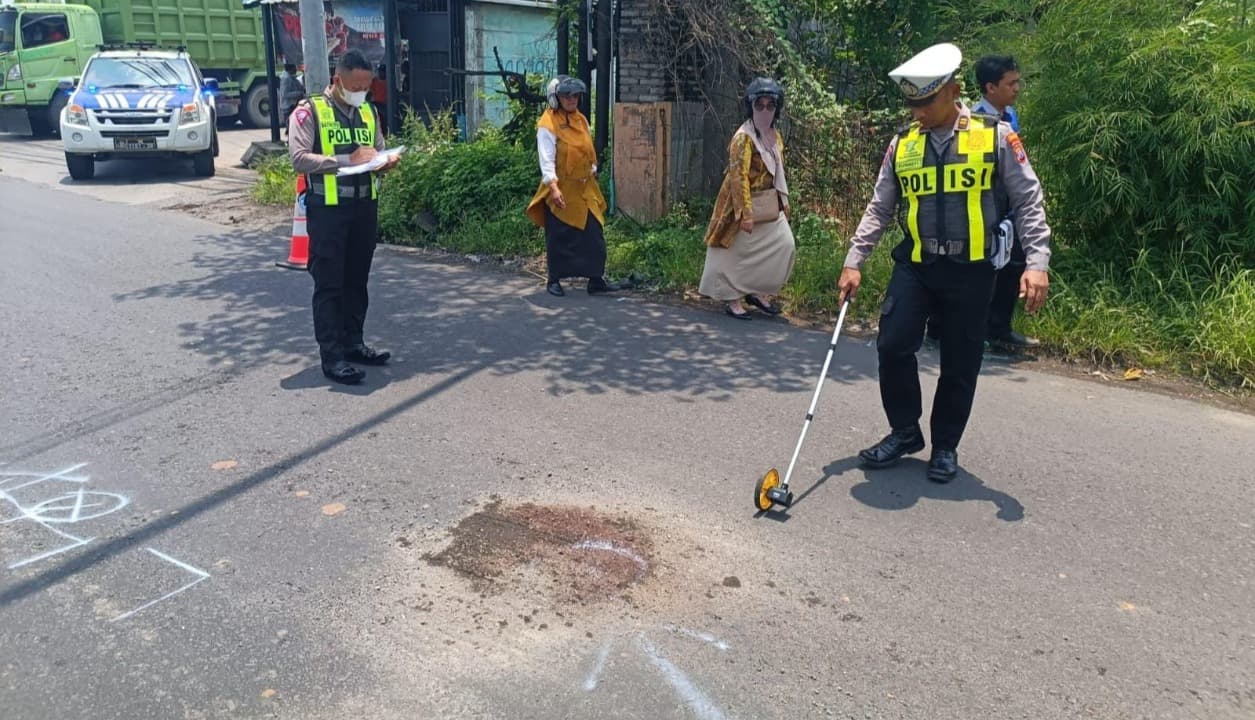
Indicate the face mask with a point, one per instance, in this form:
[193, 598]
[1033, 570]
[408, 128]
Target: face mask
[353, 98]
[763, 119]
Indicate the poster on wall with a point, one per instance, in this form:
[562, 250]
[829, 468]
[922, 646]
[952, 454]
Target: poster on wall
[351, 24]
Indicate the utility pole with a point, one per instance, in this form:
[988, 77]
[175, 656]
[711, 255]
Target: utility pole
[564, 39]
[601, 123]
[268, 32]
[314, 46]
[583, 68]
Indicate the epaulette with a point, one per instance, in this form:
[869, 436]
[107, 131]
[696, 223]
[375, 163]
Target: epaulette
[987, 118]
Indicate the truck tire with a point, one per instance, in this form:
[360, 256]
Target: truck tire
[59, 100]
[39, 122]
[203, 163]
[81, 167]
[255, 108]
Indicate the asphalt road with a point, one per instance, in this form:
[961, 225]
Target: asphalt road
[193, 524]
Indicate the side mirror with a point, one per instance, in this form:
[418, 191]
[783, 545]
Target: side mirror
[211, 85]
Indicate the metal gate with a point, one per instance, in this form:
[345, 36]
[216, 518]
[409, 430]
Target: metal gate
[435, 29]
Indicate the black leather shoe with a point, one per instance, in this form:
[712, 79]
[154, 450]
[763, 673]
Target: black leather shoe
[943, 466]
[555, 288]
[769, 308]
[599, 286]
[367, 355]
[1015, 340]
[891, 449]
[342, 372]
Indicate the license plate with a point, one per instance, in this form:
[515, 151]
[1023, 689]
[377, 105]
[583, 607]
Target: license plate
[132, 144]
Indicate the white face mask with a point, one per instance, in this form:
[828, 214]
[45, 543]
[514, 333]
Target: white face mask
[353, 98]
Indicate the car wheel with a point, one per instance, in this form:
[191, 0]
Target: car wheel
[81, 167]
[203, 163]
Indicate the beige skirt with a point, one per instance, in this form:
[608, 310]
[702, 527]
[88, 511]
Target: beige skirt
[758, 263]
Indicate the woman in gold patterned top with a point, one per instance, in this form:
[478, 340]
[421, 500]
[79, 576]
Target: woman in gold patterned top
[749, 242]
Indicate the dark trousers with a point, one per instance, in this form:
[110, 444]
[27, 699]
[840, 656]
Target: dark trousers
[341, 248]
[1002, 305]
[959, 294]
[1006, 292]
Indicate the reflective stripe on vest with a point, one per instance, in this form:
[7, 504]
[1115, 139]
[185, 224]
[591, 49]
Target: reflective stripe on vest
[336, 139]
[968, 168]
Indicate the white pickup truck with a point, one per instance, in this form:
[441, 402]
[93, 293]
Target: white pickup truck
[141, 102]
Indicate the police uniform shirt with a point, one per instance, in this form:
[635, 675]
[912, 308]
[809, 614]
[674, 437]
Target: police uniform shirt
[1015, 178]
[1007, 115]
[303, 141]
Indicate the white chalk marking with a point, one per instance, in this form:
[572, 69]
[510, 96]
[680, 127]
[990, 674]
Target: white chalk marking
[201, 576]
[42, 477]
[689, 693]
[76, 542]
[703, 636]
[608, 546]
[594, 675]
[113, 502]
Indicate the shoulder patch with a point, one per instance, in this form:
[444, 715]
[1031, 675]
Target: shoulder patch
[300, 115]
[1013, 139]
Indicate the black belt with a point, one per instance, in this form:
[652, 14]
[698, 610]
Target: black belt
[344, 191]
[948, 247]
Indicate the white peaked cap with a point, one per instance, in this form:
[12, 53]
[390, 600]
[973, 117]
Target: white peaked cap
[928, 71]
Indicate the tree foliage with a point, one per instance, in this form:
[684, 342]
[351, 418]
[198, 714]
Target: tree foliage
[1143, 126]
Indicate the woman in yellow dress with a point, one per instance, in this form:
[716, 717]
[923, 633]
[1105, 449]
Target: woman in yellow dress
[569, 204]
[749, 244]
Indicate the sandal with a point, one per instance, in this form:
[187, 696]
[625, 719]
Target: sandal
[738, 315]
[769, 308]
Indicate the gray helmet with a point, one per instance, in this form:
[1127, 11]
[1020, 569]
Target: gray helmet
[763, 87]
[564, 85]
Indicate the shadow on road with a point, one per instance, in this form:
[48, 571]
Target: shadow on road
[904, 485]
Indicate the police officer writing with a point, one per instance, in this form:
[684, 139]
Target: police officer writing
[327, 132]
[951, 176]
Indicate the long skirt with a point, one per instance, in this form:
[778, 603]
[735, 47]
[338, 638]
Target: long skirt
[758, 263]
[571, 252]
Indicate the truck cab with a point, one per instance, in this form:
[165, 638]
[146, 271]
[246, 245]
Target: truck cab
[43, 49]
[140, 102]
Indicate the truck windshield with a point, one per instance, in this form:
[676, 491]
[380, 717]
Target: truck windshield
[8, 30]
[138, 73]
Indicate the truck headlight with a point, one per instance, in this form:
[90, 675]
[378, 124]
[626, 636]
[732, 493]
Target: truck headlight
[15, 73]
[191, 114]
[76, 115]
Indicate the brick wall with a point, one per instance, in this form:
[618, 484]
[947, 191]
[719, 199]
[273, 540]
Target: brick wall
[642, 62]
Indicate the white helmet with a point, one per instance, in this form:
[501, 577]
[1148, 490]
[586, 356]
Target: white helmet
[563, 85]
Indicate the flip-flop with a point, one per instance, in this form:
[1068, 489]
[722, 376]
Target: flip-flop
[739, 316]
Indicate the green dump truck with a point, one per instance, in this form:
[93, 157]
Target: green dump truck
[45, 46]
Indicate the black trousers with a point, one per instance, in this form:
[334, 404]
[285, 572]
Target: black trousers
[959, 294]
[1002, 306]
[341, 248]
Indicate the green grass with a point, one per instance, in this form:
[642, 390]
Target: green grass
[1179, 314]
[276, 181]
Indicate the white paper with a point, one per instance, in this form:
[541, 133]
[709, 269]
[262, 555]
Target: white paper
[379, 161]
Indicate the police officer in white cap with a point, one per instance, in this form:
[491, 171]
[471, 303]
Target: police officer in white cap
[950, 177]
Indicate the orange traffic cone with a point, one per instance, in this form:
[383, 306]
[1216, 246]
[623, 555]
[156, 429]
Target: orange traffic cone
[298, 256]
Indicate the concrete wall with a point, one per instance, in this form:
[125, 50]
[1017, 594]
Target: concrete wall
[522, 31]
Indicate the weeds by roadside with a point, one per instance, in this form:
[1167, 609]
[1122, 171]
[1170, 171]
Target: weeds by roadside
[276, 181]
